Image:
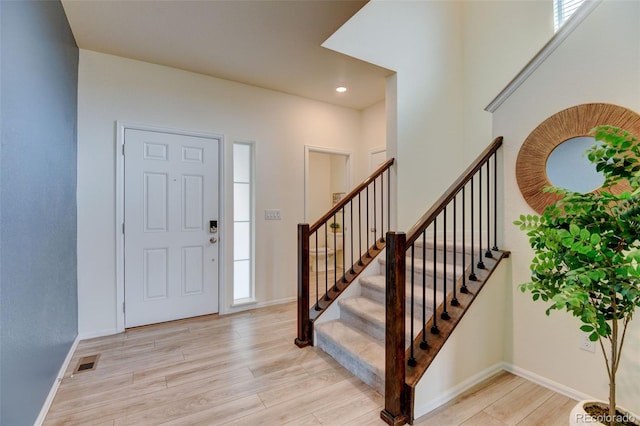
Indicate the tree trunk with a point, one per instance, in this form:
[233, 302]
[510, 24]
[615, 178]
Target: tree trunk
[612, 399]
[614, 368]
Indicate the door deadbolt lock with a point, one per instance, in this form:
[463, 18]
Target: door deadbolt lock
[213, 226]
[213, 240]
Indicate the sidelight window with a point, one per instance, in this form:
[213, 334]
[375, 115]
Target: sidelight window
[243, 222]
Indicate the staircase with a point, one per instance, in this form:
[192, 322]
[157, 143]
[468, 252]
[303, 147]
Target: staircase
[356, 339]
[395, 320]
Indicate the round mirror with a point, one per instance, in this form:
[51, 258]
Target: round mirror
[534, 172]
[568, 166]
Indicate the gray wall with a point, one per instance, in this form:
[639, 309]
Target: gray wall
[38, 284]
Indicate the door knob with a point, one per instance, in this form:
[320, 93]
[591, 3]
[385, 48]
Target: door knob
[213, 240]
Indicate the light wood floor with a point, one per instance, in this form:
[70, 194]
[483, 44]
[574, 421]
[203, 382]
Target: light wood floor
[244, 369]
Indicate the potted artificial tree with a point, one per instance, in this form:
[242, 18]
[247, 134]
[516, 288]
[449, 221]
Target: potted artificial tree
[335, 227]
[587, 256]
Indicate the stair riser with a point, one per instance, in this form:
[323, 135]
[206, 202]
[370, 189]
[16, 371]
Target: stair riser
[428, 279]
[355, 365]
[376, 294]
[376, 330]
[370, 328]
[418, 271]
[440, 254]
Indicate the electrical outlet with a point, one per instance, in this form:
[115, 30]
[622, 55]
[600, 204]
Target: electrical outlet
[586, 344]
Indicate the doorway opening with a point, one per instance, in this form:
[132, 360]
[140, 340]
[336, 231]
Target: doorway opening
[327, 180]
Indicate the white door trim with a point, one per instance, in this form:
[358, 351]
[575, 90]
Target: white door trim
[121, 126]
[307, 150]
[373, 152]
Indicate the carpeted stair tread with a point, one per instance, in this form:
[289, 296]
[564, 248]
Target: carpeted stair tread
[365, 308]
[440, 243]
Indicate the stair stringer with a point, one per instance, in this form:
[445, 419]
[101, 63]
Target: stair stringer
[473, 351]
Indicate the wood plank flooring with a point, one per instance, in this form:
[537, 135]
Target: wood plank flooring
[244, 369]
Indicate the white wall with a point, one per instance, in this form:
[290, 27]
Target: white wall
[474, 352]
[451, 59]
[599, 62]
[113, 88]
[500, 37]
[374, 126]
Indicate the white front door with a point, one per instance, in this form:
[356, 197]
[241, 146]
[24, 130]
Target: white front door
[171, 257]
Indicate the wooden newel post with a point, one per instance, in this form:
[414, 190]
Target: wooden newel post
[395, 356]
[304, 326]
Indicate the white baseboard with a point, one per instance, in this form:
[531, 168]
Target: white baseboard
[54, 388]
[485, 374]
[275, 302]
[547, 383]
[255, 305]
[457, 390]
[98, 333]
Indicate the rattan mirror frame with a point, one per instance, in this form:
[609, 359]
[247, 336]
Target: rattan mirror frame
[531, 164]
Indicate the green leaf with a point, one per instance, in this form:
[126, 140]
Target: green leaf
[574, 229]
[584, 279]
[586, 328]
[584, 234]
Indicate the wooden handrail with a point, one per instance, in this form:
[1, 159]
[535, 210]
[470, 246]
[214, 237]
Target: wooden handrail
[351, 195]
[426, 219]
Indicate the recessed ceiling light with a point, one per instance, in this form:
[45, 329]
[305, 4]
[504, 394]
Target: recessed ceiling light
[341, 89]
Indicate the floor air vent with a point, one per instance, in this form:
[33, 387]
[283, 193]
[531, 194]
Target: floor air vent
[87, 363]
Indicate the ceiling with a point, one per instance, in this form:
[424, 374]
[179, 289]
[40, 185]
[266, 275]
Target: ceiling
[266, 43]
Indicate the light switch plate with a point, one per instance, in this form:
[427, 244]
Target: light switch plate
[272, 214]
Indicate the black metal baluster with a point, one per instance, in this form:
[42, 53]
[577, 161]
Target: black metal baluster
[434, 326]
[488, 252]
[375, 219]
[463, 288]
[480, 262]
[495, 201]
[317, 276]
[412, 359]
[423, 343]
[444, 315]
[351, 236]
[344, 255]
[382, 208]
[326, 261]
[335, 256]
[472, 275]
[454, 299]
[367, 228]
[360, 229]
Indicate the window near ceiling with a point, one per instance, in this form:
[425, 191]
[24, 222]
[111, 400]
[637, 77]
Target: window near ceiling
[243, 222]
[562, 11]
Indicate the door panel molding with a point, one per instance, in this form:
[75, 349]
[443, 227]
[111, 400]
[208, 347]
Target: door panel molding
[157, 153]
